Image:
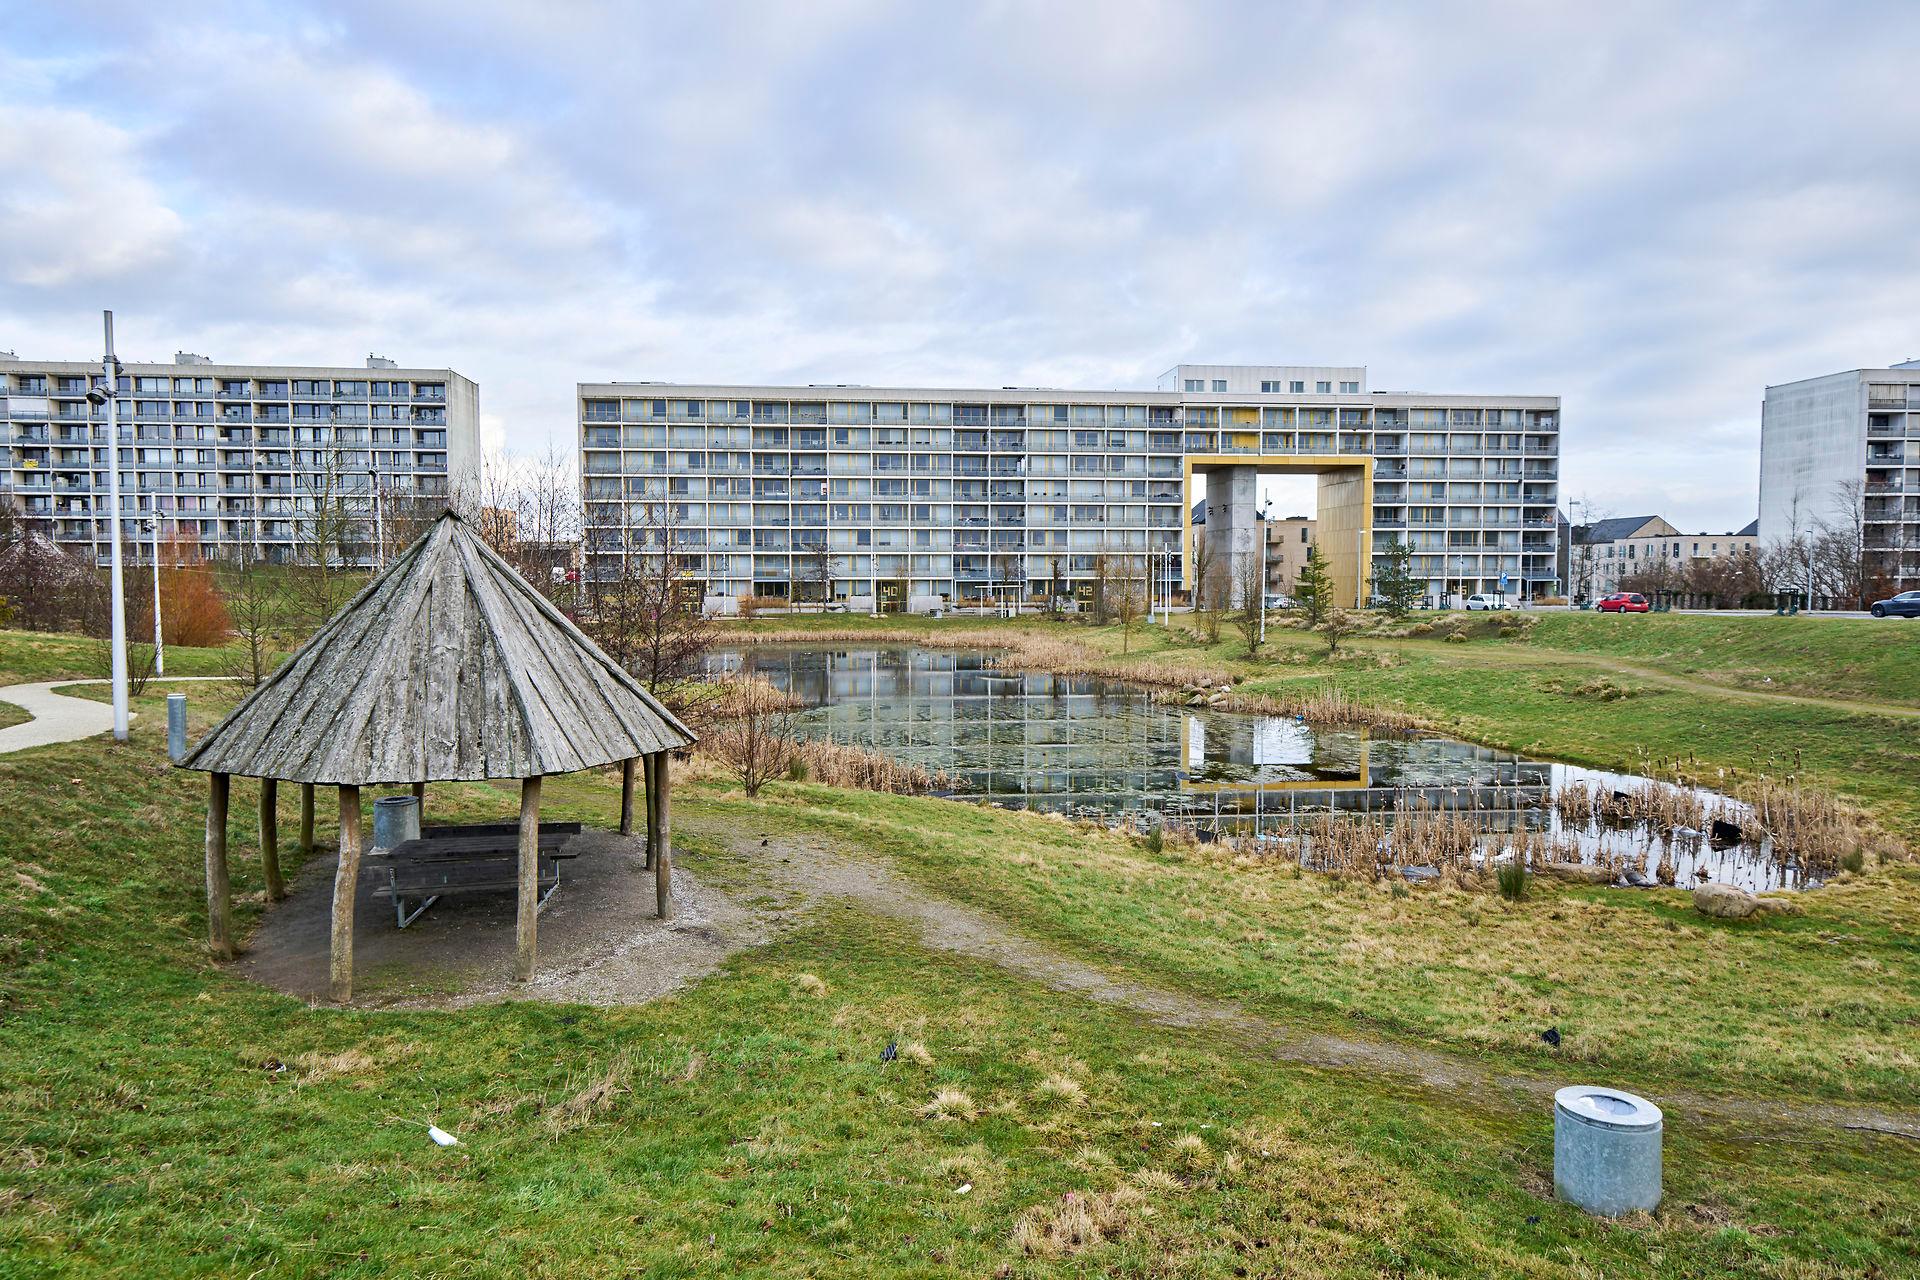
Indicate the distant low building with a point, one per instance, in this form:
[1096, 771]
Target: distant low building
[1606, 553]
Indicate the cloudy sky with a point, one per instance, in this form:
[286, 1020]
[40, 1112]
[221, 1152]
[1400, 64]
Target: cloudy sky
[1651, 210]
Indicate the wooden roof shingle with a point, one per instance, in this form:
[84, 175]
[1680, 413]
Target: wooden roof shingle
[447, 667]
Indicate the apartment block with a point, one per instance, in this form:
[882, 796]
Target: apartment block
[909, 493]
[233, 455]
[1844, 450]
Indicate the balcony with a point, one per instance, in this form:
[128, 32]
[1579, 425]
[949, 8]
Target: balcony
[1885, 402]
[1885, 486]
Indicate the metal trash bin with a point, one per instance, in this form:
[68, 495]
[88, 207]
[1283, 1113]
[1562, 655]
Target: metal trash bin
[176, 727]
[395, 819]
[1606, 1150]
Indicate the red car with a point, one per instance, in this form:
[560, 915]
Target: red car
[1624, 602]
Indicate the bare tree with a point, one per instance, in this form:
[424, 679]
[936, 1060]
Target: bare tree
[816, 571]
[1252, 597]
[753, 739]
[1839, 562]
[1127, 597]
[1339, 625]
[256, 607]
[644, 609]
[332, 534]
[1103, 579]
[1206, 586]
[528, 510]
[1583, 557]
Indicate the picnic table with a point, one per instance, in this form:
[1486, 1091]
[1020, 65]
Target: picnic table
[481, 857]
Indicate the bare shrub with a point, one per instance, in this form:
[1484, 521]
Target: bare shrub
[754, 742]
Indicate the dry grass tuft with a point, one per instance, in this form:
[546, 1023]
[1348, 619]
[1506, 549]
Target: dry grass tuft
[1075, 1222]
[593, 1099]
[1060, 1090]
[810, 985]
[950, 1104]
[915, 1052]
[316, 1067]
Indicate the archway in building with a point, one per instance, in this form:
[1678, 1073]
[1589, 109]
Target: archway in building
[1344, 514]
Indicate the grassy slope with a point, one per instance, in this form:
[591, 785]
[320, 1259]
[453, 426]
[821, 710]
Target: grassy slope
[1827, 1003]
[145, 1129]
[1826, 657]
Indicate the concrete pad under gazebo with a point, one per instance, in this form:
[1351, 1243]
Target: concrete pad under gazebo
[447, 667]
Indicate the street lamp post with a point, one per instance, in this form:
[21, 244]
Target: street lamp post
[108, 394]
[159, 649]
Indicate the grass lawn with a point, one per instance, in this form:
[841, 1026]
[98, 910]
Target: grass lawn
[161, 1118]
[1868, 660]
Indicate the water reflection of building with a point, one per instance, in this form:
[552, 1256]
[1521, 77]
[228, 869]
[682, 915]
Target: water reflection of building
[1071, 744]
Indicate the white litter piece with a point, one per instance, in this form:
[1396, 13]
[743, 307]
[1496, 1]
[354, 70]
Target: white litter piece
[963, 1188]
[441, 1136]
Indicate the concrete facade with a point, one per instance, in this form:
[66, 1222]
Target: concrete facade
[1845, 448]
[233, 455]
[997, 493]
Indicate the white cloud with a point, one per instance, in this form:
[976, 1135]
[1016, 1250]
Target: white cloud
[1651, 210]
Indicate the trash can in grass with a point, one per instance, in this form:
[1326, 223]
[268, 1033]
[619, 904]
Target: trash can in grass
[1606, 1150]
[395, 819]
[176, 727]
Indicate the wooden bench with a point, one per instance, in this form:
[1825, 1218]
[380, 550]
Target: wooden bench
[471, 858]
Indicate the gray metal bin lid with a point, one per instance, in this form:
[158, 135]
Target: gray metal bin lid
[1607, 1108]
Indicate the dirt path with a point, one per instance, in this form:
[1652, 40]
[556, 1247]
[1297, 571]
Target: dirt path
[812, 870]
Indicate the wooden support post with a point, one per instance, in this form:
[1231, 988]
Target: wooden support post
[420, 796]
[663, 850]
[626, 797]
[219, 888]
[346, 886]
[527, 932]
[306, 818]
[270, 839]
[652, 792]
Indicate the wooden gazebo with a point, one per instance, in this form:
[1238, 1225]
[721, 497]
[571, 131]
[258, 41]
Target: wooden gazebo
[447, 667]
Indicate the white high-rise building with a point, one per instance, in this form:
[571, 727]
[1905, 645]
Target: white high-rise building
[1843, 451]
[879, 496]
[232, 455]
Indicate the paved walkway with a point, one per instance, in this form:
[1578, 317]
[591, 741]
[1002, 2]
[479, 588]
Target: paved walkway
[59, 718]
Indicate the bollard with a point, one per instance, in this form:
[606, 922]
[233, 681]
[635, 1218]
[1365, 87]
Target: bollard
[395, 819]
[1606, 1150]
[176, 727]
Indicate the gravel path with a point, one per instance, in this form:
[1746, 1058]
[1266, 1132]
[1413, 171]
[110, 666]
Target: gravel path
[59, 718]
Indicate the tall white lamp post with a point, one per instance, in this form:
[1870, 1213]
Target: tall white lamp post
[108, 393]
[159, 644]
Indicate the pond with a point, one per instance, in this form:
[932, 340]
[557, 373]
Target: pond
[1099, 749]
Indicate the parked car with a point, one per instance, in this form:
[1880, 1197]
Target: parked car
[1904, 605]
[1279, 600]
[1477, 602]
[1624, 602]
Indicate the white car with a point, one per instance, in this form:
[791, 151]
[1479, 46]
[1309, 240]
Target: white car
[1278, 600]
[1485, 602]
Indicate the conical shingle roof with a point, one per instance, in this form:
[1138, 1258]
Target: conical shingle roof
[447, 667]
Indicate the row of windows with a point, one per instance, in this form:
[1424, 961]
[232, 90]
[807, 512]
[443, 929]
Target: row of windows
[864, 413]
[264, 388]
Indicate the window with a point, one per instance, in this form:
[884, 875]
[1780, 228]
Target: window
[1323, 387]
[1268, 388]
[1219, 384]
[1296, 385]
[1195, 384]
[1350, 388]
